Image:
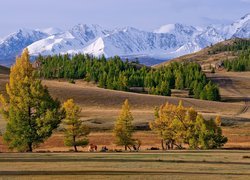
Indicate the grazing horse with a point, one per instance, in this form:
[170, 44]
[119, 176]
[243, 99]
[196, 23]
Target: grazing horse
[92, 148]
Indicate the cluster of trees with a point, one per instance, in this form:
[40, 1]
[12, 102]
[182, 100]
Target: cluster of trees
[119, 75]
[234, 46]
[241, 63]
[178, 126]
[32, 114]
[238, 47]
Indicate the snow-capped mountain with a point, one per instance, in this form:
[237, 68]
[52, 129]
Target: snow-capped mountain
[168, 41]
[239, 28]
[51, 31]
[13, 44]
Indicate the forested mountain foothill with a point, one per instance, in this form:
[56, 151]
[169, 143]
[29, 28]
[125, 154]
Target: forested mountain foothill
[241, 48]
[113, 73]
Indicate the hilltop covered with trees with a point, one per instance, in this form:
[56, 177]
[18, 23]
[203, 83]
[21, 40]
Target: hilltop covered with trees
[242, 62]
[240, 50]
[124, 75]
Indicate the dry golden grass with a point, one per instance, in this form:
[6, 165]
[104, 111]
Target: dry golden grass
[100, 107]
[173, 164]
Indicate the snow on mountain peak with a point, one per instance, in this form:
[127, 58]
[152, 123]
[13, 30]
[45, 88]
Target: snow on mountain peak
[51, 31]
[168, 41]
[246, 17]
[168, 28]
[176, 28]
[13, 44]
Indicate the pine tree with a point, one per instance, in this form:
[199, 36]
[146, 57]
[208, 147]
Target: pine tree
[31, 113]
[123, 129]
[179, 82]
[75, 131]
[165, 89]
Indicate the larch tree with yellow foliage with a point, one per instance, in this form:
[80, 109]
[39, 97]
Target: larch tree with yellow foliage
[123, 129]
[75, 131]
[31, 113]
[178, 126]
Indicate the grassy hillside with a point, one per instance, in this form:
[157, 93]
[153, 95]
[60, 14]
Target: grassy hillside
[4, 70]
[213, 54]
[100, 107]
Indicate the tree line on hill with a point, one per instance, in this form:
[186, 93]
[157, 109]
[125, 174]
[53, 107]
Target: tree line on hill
[239, 48]
[32, 115]
[241, 63]
[124, 75]
[234, 46]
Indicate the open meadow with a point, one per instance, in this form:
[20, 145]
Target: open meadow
[100, 108]
[217, 164]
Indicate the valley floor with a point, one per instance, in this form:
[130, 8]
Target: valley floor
[156, 165]
[100, 108]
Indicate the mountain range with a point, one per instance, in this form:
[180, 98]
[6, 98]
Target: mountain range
[166, 42]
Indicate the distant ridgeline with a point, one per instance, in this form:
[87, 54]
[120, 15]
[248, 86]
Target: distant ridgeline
[128, 76]
[241, 49]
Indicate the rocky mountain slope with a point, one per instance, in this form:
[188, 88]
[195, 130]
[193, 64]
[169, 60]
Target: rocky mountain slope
[169, 41]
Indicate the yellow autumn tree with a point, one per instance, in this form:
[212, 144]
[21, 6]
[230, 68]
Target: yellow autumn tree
[75, 132]
[218, 120]
[31, 113]
[123, 129]
[177, 125]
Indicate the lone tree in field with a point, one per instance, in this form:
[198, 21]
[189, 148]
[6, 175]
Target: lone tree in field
[123, 129]
[31, 113]
[75, 131]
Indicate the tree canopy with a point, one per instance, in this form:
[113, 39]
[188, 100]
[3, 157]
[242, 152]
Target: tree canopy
[31, 113]
[123, 129]
[178, 126]
[75, 131]
[241, 49]
[124, 75]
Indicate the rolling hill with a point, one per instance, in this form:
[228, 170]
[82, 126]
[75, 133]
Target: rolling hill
[4, 70]
[214, 54]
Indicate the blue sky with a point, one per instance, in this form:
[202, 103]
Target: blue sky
[143, 14]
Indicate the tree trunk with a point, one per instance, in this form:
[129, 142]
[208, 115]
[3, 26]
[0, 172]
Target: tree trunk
[29, 147]
[126, 148]
[74, 140]
[75, 148]
[162, 144]
[172, 144]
